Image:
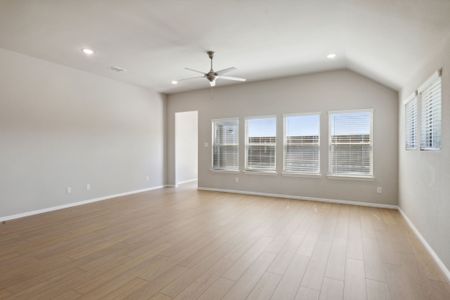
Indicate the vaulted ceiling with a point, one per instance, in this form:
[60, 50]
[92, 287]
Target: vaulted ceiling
[386, 40]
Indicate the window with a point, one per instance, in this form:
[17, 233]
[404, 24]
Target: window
[260, 144]
[351, 144]
[411, 124]
[302, 144]
[430, 94]
[226, 144]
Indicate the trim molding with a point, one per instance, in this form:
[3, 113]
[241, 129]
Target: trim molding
[58, 207]
[370, 204]
[427, 246]
[186, 181]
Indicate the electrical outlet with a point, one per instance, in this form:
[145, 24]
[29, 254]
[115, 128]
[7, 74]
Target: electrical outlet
[69, 190]
[205, 144]
[88, 187]
[379, 190]
[236, 179]
[147, 178]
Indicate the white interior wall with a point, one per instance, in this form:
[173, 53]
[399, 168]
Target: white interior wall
[186, 144]
[424, 176]
[61, 127]
[320, 92]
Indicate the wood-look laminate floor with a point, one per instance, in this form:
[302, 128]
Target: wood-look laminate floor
[185, 244]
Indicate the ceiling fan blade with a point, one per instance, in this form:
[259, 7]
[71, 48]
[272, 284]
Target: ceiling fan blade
[232, 78]
[193, 70]
[189, 78]
[223, 71]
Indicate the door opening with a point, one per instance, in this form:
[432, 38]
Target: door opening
[186, 148]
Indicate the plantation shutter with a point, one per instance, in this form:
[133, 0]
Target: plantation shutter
[411, 123]
[431, 94]
[226, 144]
[261, 144]
[351, 144]
[302, 144]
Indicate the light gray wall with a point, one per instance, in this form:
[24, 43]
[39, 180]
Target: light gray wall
[62, 127]
[424, 187]
[186, 144]
[320, 92]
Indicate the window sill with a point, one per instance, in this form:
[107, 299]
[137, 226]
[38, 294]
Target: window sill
[257, 172]
[225, 171]
[347, 177]
[292, 174]
[430, 149]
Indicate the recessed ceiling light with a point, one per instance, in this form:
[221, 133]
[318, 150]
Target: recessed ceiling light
[87, 51]
[331, 56]
[174, 82]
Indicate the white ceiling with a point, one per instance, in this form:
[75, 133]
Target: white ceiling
[154, 40]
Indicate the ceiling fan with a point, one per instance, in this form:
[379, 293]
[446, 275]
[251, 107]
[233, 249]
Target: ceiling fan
[212, 75]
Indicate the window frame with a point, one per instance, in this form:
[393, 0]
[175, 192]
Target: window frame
[293, 173]
[436, 75]
[410, 99]
[246, 144]
[224, 170]
[372, 144]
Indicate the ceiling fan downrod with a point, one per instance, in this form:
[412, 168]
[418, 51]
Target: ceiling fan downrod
[211, 75]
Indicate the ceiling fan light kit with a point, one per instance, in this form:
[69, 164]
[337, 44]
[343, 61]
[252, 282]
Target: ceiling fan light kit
[212, 75]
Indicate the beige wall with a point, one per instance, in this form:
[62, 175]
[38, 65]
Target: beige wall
[62, 127]
[424, 184]
[320, 92]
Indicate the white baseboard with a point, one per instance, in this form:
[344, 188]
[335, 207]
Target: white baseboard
[370, 204]
[186, 181]
[53, 208]
[427, 246]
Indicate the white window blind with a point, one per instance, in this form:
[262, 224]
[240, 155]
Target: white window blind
[302, 144]
[226, 144]
[351, 144]
[411, 124]
[260, 144]
[430, 95]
